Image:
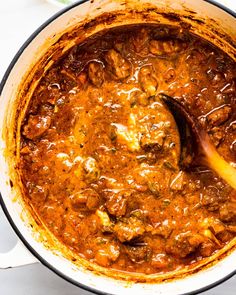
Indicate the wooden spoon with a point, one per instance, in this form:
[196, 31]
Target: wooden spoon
[196, 145]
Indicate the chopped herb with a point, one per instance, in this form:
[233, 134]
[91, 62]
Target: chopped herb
[166, 202]
[168, 165]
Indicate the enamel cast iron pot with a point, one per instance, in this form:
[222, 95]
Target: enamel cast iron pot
[70, 26]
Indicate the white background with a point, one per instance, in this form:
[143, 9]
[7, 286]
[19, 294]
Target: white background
[18, 19]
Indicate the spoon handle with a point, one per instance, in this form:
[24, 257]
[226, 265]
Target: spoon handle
[216, 162]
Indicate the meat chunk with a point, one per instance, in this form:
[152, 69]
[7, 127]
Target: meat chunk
[138, 253]
[195, 58]
[212, 199]
[91, 170]
[217, 135]
[183, 244]
[129, 228]
[140, 42]
[93, 201]
[107, 254]
[228, 211]
[166, 47]
[160, 261]
[117, 203]
[215, 225]
[163, 230]
[207, 248]
[87, 197]
[52, 93]
[89, 225]
[217, 78]
[96, 73]
[154, 187]
[148, 80]
[139, 98]
[119, 46]
[36, 126]
[215, 230]
[169, 75]
[231, 228]
[153, 141]
[129, 134]
[106, 224]
[118, 65]
[219, 115]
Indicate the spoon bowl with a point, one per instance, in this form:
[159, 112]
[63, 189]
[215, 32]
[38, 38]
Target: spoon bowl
[196, 145]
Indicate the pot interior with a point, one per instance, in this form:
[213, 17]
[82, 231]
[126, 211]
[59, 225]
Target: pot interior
[40, 52]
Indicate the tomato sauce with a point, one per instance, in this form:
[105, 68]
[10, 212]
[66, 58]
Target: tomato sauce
[100, 152]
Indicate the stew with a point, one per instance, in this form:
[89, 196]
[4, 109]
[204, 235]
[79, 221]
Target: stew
[100, 152]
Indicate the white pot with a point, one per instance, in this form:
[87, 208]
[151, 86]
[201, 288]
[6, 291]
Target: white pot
[217, 22]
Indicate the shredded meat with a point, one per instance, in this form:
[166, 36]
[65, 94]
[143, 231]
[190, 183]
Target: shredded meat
[129, 228]
[138, 253]
[219, 116]
[228, 211]
[107, 254]
[96, 73]
[117, 203]
[148, 81]
[183, 244]
[36, 126]
[162, 47]
[118, 65]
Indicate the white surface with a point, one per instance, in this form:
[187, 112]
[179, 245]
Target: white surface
[18, 19]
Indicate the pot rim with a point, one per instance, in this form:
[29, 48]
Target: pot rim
[4, 208]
